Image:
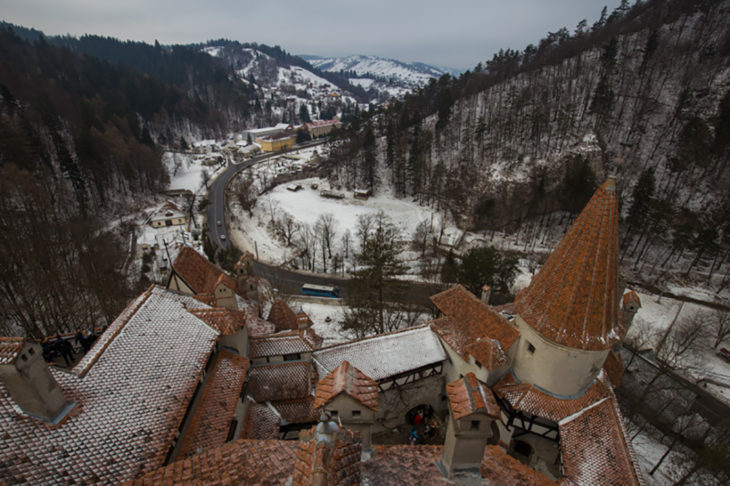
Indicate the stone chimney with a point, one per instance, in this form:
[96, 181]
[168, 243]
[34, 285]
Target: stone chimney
[630, 306]
[486, 293]
[27, 379]
[472, 410]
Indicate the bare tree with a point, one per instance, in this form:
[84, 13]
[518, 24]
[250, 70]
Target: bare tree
[346, 242]
[204, 177]
[287, 228]
[307, 245]
[720, 327]
[244, 193]
[327, 228]
[421, 237]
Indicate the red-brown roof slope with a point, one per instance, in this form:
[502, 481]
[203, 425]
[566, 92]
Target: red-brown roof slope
[499, 468]
[632, 297]
[199, 273]
[327, 457]
[347, 379]
[527, 398]
[573, 300]
[225, 321]
[209, 427]
[277, 345]
[260, 462]
[404, 465]
[468, 395]
[10, 348]
[280, 381]
[594, 447]
[282, 316]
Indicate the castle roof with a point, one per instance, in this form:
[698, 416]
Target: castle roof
[281, 381]
[276, 345]
[283, 316]
[347, 379]
[471, 327]
[499, 466]
[224, 320]
[573, 300]
[199, 273]
[468, 396]
[384, 355]
[212, 419]
[632, 297]
[10, 348]
[132, 390]
[327, 455]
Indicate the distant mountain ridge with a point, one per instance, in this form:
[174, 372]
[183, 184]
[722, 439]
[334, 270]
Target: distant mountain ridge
[385, 73]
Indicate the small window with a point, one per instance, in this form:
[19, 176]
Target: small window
[292, 357]
[474, 425]
[530, 348]
[23, 357]
[356, 413]
[232, 430]
[31, 351]
[479, 365]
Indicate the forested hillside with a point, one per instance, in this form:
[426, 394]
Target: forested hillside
[521, 142]
[79, 139]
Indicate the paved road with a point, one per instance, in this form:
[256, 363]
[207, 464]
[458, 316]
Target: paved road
[287, 281]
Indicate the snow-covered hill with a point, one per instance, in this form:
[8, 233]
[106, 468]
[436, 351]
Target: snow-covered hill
[381, 74]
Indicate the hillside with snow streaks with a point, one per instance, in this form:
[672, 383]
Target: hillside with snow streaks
[377, 67]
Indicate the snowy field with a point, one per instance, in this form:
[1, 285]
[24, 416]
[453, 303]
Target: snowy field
[186, 169]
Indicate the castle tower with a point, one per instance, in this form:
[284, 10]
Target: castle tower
[569, 317]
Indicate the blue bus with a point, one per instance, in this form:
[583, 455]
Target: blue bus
[321, 290]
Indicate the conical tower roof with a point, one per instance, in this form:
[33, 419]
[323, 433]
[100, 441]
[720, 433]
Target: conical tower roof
[574, 299]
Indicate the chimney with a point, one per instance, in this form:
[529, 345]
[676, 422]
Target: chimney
[631, 304]
[486, 293]
[27, 379]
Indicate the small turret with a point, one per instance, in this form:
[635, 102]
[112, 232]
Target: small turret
[27, 379]
[630, 306]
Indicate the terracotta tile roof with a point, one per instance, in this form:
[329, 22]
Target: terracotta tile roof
[297, 410]
[527, 398]
[468, 396]
[130, 402]
[573, 300]
[327, 457]
[199, 273]
[404, 465]
[632, 297]
[259, 462]
[281, 381]
[614, 368]
[384, 355]
[10, 348]
[212, 419]
[225, 321]
[347, 379]
[278, 345]
[594, 447]
[257, 326]
[282, 316]
[499, 468]
[260, 422]
[469, 320]
[488, 353]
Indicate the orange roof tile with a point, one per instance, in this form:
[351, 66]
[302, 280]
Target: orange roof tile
[614, 368]
[297, 410]
[594, 447]
[527, 398]
[499, 468]
[327, 455]
[10, 348]
[573, 300]
[278, 345]
[632, 297]
[260, 422]
[347, 379]
[199, 273]
[468, 396]
[282, 316]
[260, 462]
[130, 402]
[488, 353]
[281, 381]
[212, 419]
[469, 320]
[224, 320]
[404, 465]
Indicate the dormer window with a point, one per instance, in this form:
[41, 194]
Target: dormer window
[530, 348]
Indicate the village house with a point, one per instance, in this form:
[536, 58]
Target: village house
[176, 391]
[169, 214]
[320, 128]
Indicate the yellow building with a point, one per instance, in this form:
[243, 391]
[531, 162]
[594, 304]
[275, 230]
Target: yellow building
[277, 143]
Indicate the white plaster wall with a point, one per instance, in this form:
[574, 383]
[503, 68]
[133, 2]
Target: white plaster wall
[558, 369]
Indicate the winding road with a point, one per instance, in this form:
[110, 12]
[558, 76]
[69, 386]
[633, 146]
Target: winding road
[287, 281]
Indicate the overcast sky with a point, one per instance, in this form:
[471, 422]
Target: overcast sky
[455, 33]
